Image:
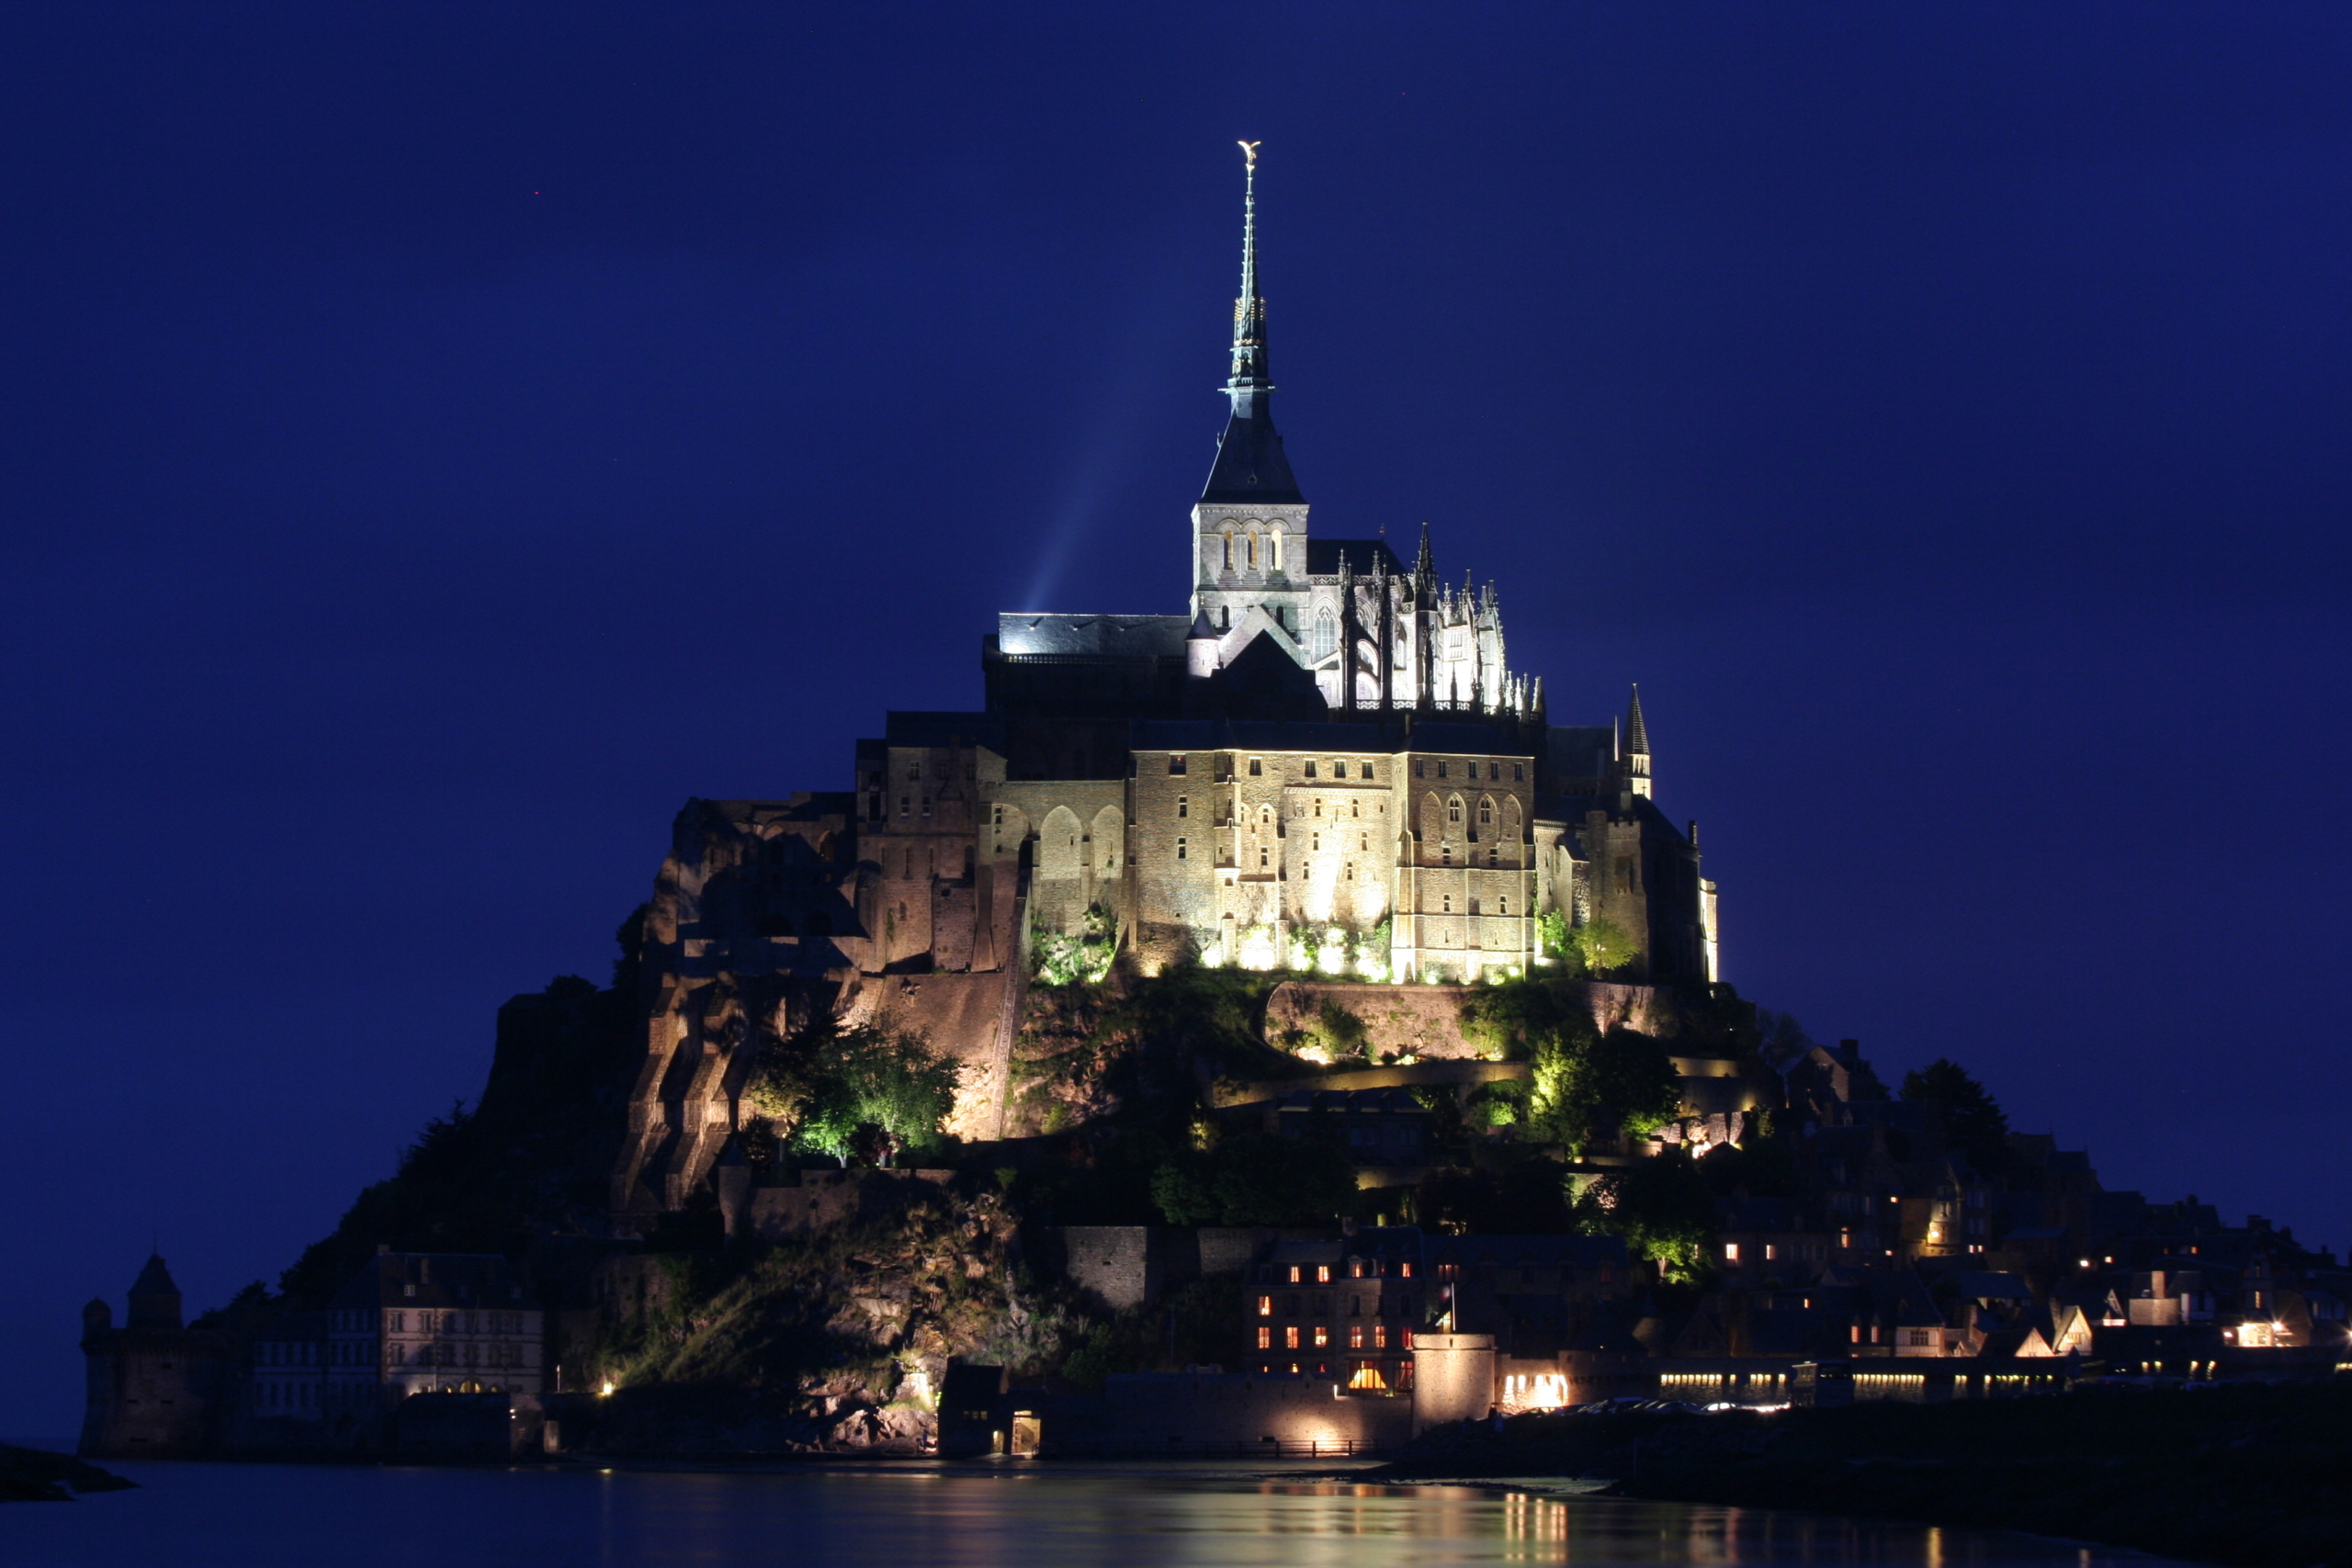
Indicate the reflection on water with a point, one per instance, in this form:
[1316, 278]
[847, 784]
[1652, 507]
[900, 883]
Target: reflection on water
[197, 1516]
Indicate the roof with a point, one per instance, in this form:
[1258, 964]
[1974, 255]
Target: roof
[1992, 1287]
[435, 1279]
[1529, 1251]
[1250, 464]
[154, 1279]
[1116, 636]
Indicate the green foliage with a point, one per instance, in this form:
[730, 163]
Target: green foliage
[1198, 1322]
[1372, 952]
[1973, 1121]
[1663, 1207]
[1058, 959]
[1582, 1086]
[1551, 933]
[1339, 1032]
[1502, 1104]
[870, 1092]
[1599, 948]
[1517, 1191]
[1257, 1181]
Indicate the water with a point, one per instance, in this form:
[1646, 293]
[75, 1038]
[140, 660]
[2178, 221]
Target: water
[1018, 1516]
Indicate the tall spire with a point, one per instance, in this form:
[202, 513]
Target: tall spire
[1424, 567]
[1249, 461]
[1249, 372]
[1637, 749]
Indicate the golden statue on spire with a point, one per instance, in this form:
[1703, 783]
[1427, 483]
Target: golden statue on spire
[1250, 153]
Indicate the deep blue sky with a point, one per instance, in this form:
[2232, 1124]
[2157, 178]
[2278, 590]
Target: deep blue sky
[435, 443]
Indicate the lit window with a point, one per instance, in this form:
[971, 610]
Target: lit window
[1265, 1338]
[1355, 1271]
[1322, 1336]
[1322, 1273]
[1294, 1274]
[1731, 1252]
[1265, 1306]
[1175, 762]
[1405, 1270]
[1380, 1337]
[1771, 1251]
[1355, 1337]
[1290, 1338]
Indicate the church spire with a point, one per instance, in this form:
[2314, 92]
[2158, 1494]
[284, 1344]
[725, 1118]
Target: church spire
[1424, 567]
[1637, 748]
[1251, 465]
[1249, 372]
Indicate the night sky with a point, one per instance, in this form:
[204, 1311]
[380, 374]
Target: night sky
[438, 442]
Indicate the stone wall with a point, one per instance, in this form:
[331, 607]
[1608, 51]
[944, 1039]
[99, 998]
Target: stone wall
[823, 1199]
[1453, 1377]
[1427, 1019]
[1162, 1413]
[960, 1017]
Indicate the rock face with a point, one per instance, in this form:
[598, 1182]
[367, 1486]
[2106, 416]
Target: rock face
[764, 916]
[840, 1341]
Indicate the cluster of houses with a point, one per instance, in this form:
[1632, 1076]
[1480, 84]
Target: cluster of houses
[1887, 1263]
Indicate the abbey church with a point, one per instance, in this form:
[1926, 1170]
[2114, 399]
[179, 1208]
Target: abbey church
[1325, 761]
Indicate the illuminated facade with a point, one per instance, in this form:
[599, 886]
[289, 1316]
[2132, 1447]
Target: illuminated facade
[1324, 762]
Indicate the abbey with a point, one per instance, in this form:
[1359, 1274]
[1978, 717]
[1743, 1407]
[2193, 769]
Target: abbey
[1324, 762]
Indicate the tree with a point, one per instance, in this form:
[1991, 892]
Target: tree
[1601, 947]
[1663, 1207]
[869, 1092]
[1257, 1181]
[1973, 1121]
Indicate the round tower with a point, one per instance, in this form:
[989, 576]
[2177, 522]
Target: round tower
[1453, 1377]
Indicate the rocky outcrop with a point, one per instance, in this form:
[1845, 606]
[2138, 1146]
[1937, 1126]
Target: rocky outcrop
[835, 1343]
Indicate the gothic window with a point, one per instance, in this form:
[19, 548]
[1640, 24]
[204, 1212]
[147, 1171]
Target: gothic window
[1327, 636]
[1487, 811]
[1253, 552]
[1184, 805]
[1275, 541]
[1453, 809]
[1228, 549]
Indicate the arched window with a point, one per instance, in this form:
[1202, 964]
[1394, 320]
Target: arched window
[1327, 636]
[1453, 809]
[1487, 811]
[1228, 549]
[1275, 542]
[1254, 551]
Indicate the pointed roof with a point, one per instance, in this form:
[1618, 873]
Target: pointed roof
[1637, 734]
[1250, 464]
[154, 1279]
[1424, 566]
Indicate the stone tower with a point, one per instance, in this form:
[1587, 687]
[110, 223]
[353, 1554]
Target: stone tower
[1249, 525]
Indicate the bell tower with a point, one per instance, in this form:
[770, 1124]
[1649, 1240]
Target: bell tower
[1249, 525]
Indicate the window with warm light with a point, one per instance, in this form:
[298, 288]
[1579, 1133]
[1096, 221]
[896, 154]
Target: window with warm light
[1290, 1338]
[1294, 1274]
[1322, 1273]
[1322, 1336]
[1731, 1252]
[1265, 1306]
[1265, 1337]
